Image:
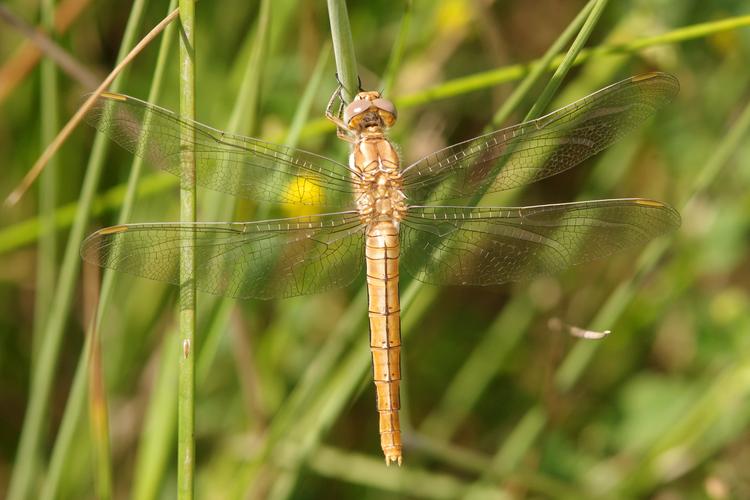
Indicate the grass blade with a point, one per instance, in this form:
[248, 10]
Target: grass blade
[549, 91]
[47, 257]
[186, 377]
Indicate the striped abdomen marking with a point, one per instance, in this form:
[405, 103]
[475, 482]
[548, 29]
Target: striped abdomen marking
[382, 252]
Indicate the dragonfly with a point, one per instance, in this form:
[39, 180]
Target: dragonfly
[380, 213]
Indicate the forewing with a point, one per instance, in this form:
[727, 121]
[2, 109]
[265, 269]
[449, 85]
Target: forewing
[233, 164]
[489, 246]
[539, 148]
[263, 260]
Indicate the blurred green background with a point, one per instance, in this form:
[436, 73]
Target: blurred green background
[497, 401]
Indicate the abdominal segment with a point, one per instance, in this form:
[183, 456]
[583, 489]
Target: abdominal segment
[382, 252]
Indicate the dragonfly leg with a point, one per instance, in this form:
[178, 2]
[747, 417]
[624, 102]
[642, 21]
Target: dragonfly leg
[341, 85]
[337, 116]
[345, 136]
[342, 130]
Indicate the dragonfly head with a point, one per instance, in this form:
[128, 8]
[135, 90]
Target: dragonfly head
[367, 110]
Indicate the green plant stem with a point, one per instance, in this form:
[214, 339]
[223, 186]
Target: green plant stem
[506, 74]
[42, 376]
[187, 350]
[567, 62]
[159, 427]
[47, 256]
[468, 384]
[250, 93]
[343, 48]
[308, 96]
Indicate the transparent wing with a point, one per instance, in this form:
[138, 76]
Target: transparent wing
[540, 148]
[488, 246]
[233, 164]
[264, 260]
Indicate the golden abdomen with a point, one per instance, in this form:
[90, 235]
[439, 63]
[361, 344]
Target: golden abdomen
[382, 253]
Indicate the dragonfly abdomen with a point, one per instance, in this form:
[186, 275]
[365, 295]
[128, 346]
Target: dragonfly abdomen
[382, 253]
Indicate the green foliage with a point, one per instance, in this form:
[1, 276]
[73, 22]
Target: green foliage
[497, 402]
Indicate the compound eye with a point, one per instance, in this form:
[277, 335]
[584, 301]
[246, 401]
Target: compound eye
[356, 108]
[386, 110]
[385, 105]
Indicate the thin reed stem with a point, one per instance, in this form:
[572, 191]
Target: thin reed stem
[567, 62]
[187, 350]
[47, 257]
[343, 48]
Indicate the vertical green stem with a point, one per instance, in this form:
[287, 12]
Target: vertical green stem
[47, 257]
[158, 428]
[46, 260]
[343, 48]
[186, 391]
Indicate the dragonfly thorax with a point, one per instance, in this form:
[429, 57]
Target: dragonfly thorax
[378, 181]
[380, 197]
